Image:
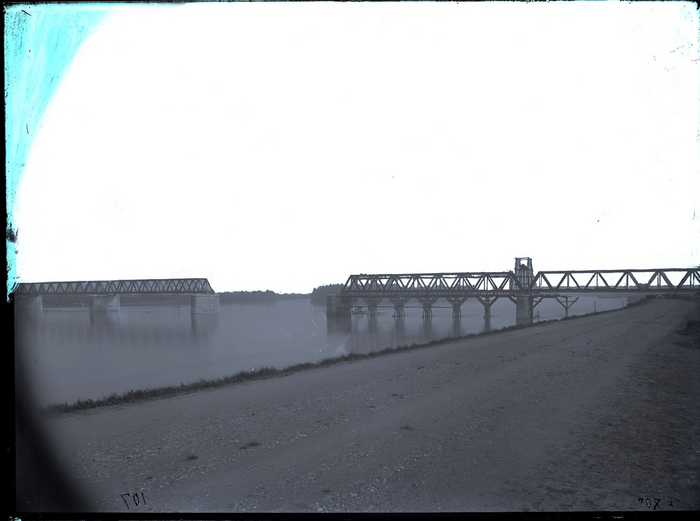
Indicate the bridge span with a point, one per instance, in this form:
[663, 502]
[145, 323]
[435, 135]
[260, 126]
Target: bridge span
[522, 286]
[104, 294]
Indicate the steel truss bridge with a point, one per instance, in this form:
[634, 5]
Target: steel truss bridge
[116, 287]
[487, 287]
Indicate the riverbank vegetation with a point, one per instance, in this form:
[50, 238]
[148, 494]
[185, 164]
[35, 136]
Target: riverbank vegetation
[255, 297]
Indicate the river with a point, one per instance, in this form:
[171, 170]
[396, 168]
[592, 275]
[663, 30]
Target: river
[70, 353]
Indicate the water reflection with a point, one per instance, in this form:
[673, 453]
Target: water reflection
[456, 326]
[204, 324]
[427, 326]
[341, 325]
[105, 320]
[373, 321]
[399, 322]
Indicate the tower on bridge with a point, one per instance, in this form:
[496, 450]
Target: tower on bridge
[524, 276]
[523, 271]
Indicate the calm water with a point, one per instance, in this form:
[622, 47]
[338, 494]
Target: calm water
[71, 353]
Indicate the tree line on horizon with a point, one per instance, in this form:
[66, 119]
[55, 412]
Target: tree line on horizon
[257, 296]
[318, 295]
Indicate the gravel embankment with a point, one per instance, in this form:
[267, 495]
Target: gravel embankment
[586, 414]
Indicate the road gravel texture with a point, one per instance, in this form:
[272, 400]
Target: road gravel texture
[598, 413]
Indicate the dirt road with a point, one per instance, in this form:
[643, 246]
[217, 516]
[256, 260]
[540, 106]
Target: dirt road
[597, 413]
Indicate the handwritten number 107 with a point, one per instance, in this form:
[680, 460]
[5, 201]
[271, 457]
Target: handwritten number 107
[135, 498]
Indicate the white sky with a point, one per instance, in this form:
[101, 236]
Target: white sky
[283, 146]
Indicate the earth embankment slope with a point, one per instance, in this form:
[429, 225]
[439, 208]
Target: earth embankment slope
[586, 414]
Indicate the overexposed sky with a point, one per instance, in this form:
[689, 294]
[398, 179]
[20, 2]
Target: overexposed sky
[283, 146]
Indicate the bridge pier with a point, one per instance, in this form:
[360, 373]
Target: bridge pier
[338, 306]
[204, 303]
[333, 306]
[34, 303]
[566, 305]
[399, 303]
[524, 310]
[487, 302]
[372, 303]
[427, 303]
[456, 303]
[487, 318]
[104, 303]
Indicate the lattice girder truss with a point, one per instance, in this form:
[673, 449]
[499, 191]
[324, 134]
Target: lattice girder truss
[116, 287]
[453, 285]
[672, 280]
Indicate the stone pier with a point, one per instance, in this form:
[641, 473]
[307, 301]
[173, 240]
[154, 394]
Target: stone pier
[104, 303]
[28, 303]
[337, 306]
[205, 304]
[203, 324]
[523, 310]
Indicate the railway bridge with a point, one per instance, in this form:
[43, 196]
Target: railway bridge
[104, 294]
[522, 286]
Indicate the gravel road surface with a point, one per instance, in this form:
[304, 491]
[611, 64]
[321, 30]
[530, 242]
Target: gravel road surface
[596, 413]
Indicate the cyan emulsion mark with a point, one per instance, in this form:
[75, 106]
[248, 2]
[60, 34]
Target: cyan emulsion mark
[40, 43]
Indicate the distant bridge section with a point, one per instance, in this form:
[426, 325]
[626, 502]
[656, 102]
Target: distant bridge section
[104, 294]
[116, 287]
